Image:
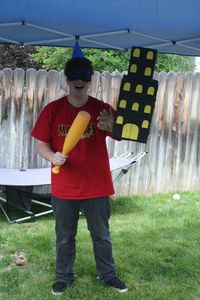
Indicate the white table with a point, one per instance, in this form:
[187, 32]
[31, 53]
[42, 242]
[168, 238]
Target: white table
[29, 177]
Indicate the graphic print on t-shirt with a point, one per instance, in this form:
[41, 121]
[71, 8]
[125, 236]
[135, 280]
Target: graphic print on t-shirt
[63, 129]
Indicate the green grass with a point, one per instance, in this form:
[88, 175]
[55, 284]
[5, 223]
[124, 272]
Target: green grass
[156, 246]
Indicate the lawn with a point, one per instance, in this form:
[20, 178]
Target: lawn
[156, 245]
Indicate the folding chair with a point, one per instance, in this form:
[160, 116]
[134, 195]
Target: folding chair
[124, 162]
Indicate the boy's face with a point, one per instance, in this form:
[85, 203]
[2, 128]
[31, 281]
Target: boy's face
[78, 87]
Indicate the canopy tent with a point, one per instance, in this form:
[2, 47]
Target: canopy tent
[170, 26]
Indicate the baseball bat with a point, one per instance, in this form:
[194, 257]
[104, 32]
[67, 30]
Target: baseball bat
[76, 130]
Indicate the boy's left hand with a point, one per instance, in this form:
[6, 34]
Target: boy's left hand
[105, 120]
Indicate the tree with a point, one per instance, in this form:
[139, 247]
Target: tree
[16, 56]
[107, 60]
[176, 63]
[103, 60]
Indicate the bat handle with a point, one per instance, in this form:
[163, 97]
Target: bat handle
[56, 169]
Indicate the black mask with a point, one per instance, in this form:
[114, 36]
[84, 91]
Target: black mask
[81, 74]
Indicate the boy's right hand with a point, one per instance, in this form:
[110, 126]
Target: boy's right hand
[59, 159]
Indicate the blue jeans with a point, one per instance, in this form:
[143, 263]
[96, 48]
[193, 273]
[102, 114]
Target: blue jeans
[97, 213]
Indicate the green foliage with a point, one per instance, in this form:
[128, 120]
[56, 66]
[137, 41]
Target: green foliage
[176, 63]
[51, 57]
[103, 60]
[107, 60]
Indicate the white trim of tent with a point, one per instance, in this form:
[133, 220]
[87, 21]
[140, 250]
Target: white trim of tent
[63, 36]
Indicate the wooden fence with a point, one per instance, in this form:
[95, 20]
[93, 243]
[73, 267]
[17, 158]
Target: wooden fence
[173, 159]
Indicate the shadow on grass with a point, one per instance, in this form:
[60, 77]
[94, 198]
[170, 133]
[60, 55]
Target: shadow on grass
[125, 205]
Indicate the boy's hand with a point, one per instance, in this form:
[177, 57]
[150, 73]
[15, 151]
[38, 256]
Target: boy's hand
[59, 159]
[105, 120]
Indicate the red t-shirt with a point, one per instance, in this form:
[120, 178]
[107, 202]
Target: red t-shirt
[86, 172]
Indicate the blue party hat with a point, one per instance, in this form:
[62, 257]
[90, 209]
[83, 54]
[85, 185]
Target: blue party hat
[77, 51]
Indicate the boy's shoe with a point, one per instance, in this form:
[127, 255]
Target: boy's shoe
[58, 287]
[117, 284]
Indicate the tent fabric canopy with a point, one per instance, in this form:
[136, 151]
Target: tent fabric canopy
[170, 26]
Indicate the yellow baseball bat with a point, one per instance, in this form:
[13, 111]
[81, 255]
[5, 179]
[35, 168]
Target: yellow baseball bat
[76, 130]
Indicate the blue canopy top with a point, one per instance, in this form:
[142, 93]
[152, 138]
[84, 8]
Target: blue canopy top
[170, 26]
